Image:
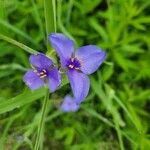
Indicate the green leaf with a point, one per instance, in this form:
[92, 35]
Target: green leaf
[22, 46]
[99, 29]
[99, 116]
[26, 97]
[87, 6]
[17, 31]
[132, 48]
[50, 18]
[108, 71]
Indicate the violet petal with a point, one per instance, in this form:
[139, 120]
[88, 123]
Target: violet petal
[91, 57]
[40, 60]
[80, 84]
[54, 79]
[63, 46]
[69, 105]
[32, 80]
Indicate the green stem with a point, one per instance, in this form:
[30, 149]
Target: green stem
[16, 43]
[118, 131]
[50, 18]
[41, 125]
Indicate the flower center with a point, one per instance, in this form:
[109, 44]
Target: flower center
[41, 73]
[73, 63]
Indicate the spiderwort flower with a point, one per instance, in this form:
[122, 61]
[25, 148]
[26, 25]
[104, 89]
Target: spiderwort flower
[80, 63]
[69, 104]
[43, 72]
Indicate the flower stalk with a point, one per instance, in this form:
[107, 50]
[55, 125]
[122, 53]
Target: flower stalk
[50, 18]
[42, 121]
[18, 44]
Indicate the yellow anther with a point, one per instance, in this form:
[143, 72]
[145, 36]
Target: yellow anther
[43, 76]
[42, 73]
[44, 70]
[71, 66]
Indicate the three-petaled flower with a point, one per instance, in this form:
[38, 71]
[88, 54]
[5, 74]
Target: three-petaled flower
[80, 63]
[43, 72]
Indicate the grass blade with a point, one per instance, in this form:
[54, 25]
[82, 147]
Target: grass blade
[20, 100]
[17, 31]
[50, 18]
[14, 42]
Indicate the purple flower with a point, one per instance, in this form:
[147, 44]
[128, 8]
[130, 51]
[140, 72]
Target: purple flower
[80, 63]
[69, 104]
[42, 72]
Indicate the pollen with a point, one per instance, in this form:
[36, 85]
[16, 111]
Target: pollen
[44, 70]
[71, 66]
[42, 73]
[43, 76]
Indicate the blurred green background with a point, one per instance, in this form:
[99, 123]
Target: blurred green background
[116, 113]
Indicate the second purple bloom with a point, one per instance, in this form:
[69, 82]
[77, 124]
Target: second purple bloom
[80, 63]
[43, 72]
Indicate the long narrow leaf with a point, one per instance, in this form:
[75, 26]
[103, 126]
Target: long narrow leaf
[20, 100]
[22, 46]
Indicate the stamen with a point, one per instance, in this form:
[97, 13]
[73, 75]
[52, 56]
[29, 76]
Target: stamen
[71, 66]
[73, 63]
[44, 70]
[72, 59]
[41, 73]
[44, 75]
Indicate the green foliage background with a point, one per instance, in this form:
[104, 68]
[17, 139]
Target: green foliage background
[116, 113]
